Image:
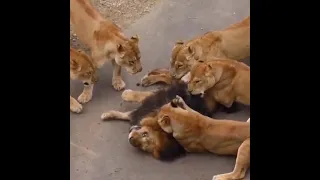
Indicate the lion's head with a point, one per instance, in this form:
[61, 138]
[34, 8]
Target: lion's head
[184, 55]
[153, 140]
[125, 51]
[217, 72]
[203, 76]
[182, 58]
[128, 55]
[82, 67]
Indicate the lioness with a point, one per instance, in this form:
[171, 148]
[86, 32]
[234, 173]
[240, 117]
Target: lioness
[199, 133]
[232, 43]
[105, 40]
[145, 133]
[81, 68]
[226, 80]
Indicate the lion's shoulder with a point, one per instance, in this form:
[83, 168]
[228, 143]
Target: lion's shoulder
[80, 61]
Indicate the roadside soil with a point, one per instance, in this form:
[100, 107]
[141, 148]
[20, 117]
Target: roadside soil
[121, 12]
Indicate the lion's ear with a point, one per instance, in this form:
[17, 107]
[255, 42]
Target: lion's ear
[179, 42]
[120, 48]
[96, 35]
[216, 70]
[191, 50]
[195, 51]
[135, 38]
[165, 120]
[75, 65]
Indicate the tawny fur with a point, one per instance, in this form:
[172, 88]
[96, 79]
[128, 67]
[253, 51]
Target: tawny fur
[82, 69]
[146, 133]
[232, 43]
[105, 40]
[198, 133]
[227, 81]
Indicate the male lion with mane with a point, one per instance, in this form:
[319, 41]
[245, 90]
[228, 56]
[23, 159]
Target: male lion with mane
[198, 133]
[145, 133]
[81, 68]
[106, 41]
[230, 43]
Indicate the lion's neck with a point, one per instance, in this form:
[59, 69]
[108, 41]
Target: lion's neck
[235, 43]
[85, 20]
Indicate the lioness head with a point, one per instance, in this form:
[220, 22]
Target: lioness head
[203, 76]
[82, 67]
[153, 140]
[182, 58]
[128, 55]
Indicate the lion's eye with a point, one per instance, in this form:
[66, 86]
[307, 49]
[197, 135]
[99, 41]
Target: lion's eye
[131, 62]
[197, 81]
[89, 73]
[180, 65]
[144, 134]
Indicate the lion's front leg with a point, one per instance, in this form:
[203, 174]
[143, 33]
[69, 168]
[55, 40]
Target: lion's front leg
[117, 82]
[242, 164]
[156, 76]
[225, 96]
[135, 96]
[75, 106]
[86, 94]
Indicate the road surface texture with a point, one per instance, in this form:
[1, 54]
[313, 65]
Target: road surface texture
[100, 150]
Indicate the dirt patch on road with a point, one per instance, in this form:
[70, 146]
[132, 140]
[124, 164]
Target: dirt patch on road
[122, 12]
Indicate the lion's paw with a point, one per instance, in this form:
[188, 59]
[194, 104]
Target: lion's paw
[118, 84]
[227, 176]
[145, 81]
[178, 101]
[85, 97]
[106, 116]
[217, 177]
[76, 107]
[126, 95]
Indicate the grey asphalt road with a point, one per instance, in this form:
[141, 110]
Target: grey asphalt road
[100, 150]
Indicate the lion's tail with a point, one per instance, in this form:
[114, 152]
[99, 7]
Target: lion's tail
[116, 115]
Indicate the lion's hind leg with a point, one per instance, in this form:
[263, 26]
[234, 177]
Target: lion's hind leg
[242, 164]
[156, 76]
[116, 115]
[135, 96]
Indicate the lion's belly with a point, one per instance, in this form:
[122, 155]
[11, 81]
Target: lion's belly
[223, 148]
[190, 143]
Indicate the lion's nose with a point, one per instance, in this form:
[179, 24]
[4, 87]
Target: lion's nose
[132, 142]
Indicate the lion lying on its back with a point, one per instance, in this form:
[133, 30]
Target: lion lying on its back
[145, 132]
[198, 133]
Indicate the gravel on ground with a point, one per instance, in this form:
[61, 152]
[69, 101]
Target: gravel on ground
[121, 12]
